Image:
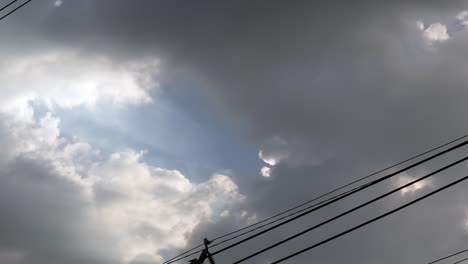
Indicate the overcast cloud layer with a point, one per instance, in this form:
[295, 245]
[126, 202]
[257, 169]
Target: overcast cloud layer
[326, 90]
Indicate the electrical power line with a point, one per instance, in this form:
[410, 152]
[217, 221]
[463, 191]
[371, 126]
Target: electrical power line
[14, 10]
[460, 261]
[7, 5]
[332, 199]
[283, 217]
[371, 220]
[181, 255]
[178, 257]
[449, 256]
[365, 186]
[175, 259]
[351, 210]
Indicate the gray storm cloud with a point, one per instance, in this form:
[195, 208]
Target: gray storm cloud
[354, 85]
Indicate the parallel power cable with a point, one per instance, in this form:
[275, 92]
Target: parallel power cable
[14, 10]
[188, 253]
[334, 199]
[365, 186]
[283, 217]
[7, 5]
[351, 210]
[371, 220]
[460, 261]
[259, 227]
[449, 256]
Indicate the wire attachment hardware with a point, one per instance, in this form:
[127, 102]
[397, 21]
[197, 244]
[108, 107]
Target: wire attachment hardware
[205, 254]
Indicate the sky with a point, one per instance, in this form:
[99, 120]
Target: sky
[131, 130]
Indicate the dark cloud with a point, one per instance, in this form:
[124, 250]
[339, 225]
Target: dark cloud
[307, 71]
[350, 83]
[43, 217]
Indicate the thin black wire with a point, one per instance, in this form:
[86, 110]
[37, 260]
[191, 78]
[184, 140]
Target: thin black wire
[365, 186]
[229, 239]
[352, 210]
[7, 5]
[283, 217]
[175, 259]
[371, 220]
[14, 10]
[179, 257]
[465, 259]
[246, 232]
[449, 256]
[333, 199]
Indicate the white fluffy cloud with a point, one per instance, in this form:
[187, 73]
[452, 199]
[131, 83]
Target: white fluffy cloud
[66, 78]
[140, 209]
[265, 171]
[114, 208]
[436, 32]
[274, 151]
[148, 208]
[58, 3]
[294, 152]
[462, 17]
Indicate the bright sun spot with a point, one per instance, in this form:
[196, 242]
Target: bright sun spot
[414, 187]
[265, 171]
[58, 3]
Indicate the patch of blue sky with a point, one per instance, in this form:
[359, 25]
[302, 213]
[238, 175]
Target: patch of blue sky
[181, 129]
